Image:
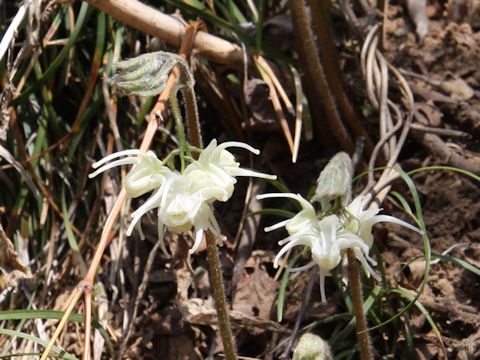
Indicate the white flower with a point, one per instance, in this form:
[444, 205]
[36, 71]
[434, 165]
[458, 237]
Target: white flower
[216, 169]
[183, 201]
[360, 221]
[326, 239]
[330, 237]
[148, 174]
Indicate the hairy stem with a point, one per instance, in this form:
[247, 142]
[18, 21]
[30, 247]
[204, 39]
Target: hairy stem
[219, 296]
[315, 74]
[356, 291]
[322, 25]
[195, 139]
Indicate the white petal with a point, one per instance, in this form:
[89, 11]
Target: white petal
[198, 240]
[252, 173]
[305, 204]
[365, 264]
[161, 233]
[151, 203]
[133, 223]
[276, 226]
[126, 161]
[284, 249]
[302, 268]
[238, 144]
[133, 152]
[391, 219]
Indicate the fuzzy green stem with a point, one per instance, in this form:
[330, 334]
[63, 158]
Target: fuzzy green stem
[219, 296]
[356, 291]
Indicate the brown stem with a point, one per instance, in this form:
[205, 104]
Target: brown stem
[357, 300]
[219, 296]
[314, 72]
[322, 25]
[195, 139]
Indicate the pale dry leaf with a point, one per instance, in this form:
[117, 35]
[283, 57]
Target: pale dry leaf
[202, 312]
[11, 269]
[458, 89]
[255, 294]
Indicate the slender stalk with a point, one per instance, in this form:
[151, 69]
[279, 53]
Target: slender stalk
[356, 291]
[315, 74]
[195, 139]
[219, 296]
[88, 320]
[322, 25]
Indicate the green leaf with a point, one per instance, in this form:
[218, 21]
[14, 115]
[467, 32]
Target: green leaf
[58, 351]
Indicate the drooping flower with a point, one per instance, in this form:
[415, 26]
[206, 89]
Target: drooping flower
[326, 239]
[148, 174]
[183, 200]
[360, 221]
[216, 169]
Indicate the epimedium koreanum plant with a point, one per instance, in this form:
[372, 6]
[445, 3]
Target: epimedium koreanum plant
[337, 227]
[183, 199]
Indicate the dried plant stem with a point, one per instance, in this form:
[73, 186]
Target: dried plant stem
[321, 22]
[315, 73]
[357, 300]
[219, 296]
[167, 28]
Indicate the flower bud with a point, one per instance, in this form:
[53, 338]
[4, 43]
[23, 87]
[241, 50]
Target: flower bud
[312, 347]
[147, 74]
[335, 181]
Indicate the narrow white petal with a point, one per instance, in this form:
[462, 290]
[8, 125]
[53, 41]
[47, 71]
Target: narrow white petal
[365, 264]
[161, 233]
[284, 249]
[133, 223]
[151, 203]
[238, 144]
[305, 204]
[126, 161]
[302, 268]
[138, 226]
[277, 195]
[166, 189]
[133, 152]
[293, 237]
[198, 240]
[252, 173]
[276, 226]
[391, 219]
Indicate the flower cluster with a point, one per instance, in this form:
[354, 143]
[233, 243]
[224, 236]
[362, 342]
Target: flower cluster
[183, 200]
[330, 236]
